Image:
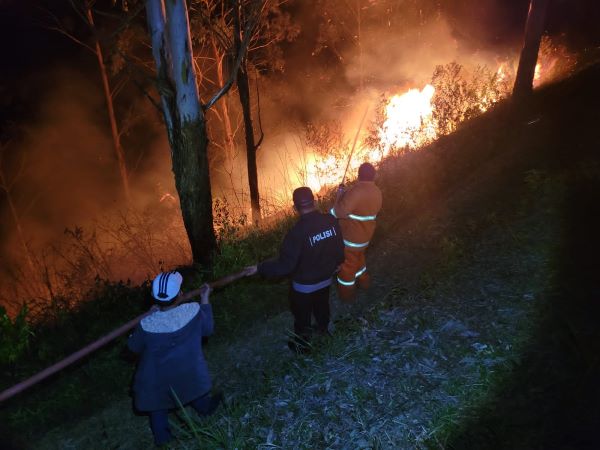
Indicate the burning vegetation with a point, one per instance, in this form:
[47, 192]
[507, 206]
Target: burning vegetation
[411, 119]
[408, 108]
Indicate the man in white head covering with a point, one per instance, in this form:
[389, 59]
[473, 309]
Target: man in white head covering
[172, 367]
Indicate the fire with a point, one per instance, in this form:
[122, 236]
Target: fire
[502, 73]
[537, 73]
[409, 122]
[321, 172]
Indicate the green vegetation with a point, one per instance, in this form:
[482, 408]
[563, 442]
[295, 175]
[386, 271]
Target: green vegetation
[15, 336]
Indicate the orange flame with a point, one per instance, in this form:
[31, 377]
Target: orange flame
[409, 122]
[538, 73]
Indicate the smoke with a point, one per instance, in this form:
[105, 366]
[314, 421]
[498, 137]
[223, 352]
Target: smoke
[409, 59]
[406, 50]
[70, 172]
[64, 174]
[71, 175]
[61, 160]
[69, 157]
[322, 86]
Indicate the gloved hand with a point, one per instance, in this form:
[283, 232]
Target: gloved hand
[340, 192]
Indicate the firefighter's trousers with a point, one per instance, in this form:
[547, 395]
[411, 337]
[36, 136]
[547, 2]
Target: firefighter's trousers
[353, 272]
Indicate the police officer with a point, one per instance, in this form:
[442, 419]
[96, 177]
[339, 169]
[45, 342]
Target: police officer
[310, 255]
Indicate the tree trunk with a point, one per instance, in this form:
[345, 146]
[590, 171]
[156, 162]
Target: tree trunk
[190, 166]
[251, 147]
[172, 51]
[230, 141]
[156, 26]
[111, 110]
[244, 93]
[533, 35]
[15, 215]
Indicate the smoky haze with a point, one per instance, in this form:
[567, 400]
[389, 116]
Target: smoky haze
[63, 172]
[70, 174]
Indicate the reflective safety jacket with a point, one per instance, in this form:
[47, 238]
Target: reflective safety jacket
[310, 254]
[357, 211]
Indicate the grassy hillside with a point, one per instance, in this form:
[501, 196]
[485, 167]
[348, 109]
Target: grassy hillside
[480, 330]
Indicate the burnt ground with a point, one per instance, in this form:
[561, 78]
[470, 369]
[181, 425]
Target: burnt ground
[481, 328]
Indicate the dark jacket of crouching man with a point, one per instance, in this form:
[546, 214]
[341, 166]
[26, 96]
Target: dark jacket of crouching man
[172, 369]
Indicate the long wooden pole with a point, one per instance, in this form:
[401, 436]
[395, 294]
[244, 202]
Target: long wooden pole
[354, 144]
[20, 387]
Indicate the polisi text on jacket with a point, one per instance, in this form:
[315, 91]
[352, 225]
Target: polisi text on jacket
[315, 239]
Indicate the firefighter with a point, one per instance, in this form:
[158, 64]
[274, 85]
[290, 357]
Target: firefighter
[310, 255]
[356, 209]
[172, 370]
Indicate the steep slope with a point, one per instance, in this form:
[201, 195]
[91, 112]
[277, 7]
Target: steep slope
[480, 330]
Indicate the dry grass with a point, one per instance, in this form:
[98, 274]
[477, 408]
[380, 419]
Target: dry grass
[401, 368]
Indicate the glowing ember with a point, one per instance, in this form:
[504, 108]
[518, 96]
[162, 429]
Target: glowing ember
[167, 197]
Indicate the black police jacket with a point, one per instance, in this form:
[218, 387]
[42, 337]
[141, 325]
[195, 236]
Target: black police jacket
[311, 251]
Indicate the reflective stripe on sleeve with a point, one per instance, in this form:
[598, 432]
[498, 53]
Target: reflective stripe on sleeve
[355, 245]
[361, 218]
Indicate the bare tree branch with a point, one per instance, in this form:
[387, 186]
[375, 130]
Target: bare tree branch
[250, 25]
[60, 28]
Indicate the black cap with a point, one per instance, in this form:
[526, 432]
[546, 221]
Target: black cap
[303, 197]
[366, 172]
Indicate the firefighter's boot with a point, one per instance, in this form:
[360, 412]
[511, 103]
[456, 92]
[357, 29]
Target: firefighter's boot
[346, 293]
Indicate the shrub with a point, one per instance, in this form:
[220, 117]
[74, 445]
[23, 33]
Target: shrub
[15, 336]
[460, 95]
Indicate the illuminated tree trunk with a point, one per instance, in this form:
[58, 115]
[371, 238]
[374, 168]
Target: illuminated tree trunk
[531, 46]
[251, 146]
[229, 136]
[185, 120]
